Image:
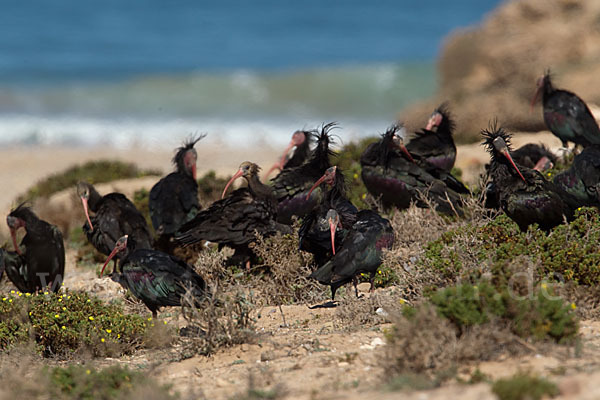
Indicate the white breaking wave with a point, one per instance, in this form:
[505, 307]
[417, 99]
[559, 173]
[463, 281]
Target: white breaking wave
[20, 129]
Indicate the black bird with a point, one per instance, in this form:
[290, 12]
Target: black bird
[302, 141]
[360, 252]
[40, 265]
[174, 199]
[234, 220]
[582, 179]
[566, 115]
[114, 216]
[156, 278]
[292, 184]
[523, 193]
[390, 174]
[330, 221]
[535, 156]
[435, 148]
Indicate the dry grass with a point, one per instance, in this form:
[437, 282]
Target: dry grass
[425, 343]
[222, 320]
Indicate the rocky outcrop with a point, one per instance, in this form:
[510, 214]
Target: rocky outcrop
[490, 71]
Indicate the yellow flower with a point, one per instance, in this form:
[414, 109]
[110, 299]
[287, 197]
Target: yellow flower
[102, 340]
[108, 331]
[88, 301]
[4, 299]
[355, 176]
[46, 293]
[59, 299]
[56, 315]
[10, 300]
[165, 322]
[544, 285]
[118, 336]
[573, 306]
[12, 292]
[20, 294]
[379, 272]
[364, 196]
[149, 318]
[63, 327]
[27, 294]
[91, 318]
[87, 371]
[151, 324]
[64, 308]
[402, 301]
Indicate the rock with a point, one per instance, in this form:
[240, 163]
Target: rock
[268, 355]
[491, 70]
[364, 287]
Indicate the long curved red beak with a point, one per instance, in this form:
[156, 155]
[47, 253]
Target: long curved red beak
[316, 185]
[110, 257]
[506, 154]
[405, 151]
[275, 166]
[13, 235]
[332, 228]
[233, 178]
[87, 213]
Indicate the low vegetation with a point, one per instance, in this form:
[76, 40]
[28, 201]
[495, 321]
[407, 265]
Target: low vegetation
[93, 172]
[524, 386]
[65, 323]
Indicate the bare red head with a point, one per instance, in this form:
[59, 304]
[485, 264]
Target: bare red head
[14, 223]
[189, 160]
[398, 141]
[297, 139]
[502, 148]
[120, 245]
[541, 84]
[434, 120]
[328, 177]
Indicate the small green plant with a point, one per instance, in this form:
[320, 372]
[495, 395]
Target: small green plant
[523, 386]
[210, 187]
[115, 382]
[570, 251]
[539, 315]
[62, 323]
[93, 172]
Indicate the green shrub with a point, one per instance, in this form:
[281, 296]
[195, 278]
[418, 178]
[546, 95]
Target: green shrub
[114, 382]
[93, 172]
[523, 386]
[210, 187]
[539, 315]
[62, 323]
[571, 251]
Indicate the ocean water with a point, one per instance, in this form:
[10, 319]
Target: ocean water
[149, 72]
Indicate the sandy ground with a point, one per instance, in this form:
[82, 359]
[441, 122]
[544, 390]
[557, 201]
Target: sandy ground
[311, 357]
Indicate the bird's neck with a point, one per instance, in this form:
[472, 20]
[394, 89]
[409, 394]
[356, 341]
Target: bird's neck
[257, 188]
[94, 199]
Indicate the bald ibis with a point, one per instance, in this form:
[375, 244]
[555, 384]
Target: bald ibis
[360, 252]
[535, 156]
[566, 115]
[174, 199]
[301, 141]
[391, 174]
[582, 179]
[40, 264]
[156, 278]
[523, 193]
[329, 222]
[435, 148]
[114, 216]
[234, 220]
[292, 184]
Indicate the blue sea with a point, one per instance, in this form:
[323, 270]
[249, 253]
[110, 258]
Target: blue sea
[151, 72]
